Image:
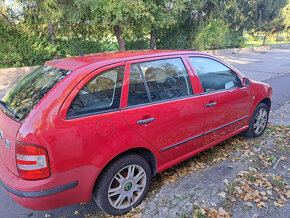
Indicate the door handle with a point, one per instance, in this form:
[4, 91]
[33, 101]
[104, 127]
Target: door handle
[141, 122]
[211, 104]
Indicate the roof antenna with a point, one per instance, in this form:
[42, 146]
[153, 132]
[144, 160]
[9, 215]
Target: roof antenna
[79, 51]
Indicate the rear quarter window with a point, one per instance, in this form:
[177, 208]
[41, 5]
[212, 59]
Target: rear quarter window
[102, 93]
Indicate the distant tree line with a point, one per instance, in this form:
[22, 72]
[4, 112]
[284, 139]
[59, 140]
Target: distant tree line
[40, 29]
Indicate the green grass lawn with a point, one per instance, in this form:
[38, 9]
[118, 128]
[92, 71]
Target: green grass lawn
[257, 40]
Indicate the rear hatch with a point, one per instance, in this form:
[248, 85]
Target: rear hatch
[8, 133]
[17, 104]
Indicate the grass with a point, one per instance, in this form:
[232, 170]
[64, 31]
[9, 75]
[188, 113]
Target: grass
[251, 178]
[231, 187]
[257, 40]
[279, 183]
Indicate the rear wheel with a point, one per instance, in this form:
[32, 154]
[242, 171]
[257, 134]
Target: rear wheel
[123, 185]
[258, 121]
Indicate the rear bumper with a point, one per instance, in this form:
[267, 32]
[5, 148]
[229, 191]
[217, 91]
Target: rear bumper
[38, 194]
[59, 190]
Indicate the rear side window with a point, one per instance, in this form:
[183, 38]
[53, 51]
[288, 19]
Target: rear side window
[214, 75]
[101, 93]
[164, 79]
[29, 91]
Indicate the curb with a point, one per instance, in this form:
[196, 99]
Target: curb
[246, 50]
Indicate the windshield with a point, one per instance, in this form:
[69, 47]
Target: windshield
[29, 91]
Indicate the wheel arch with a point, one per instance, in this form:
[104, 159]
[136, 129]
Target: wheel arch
[258, 100]
[147, 154]
[266, 101]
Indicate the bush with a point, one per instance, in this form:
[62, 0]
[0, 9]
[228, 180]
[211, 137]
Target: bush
[217, 35]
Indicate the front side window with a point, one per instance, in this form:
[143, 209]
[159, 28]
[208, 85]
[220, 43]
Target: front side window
[214, 75]
[165, 79]
[101, 93]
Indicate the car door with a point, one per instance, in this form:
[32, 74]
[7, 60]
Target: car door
[162, 107]
[227, 103]
[92, 125]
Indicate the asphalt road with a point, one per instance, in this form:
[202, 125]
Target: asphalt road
[272, 67]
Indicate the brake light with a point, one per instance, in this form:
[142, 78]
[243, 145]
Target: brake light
[32, 161]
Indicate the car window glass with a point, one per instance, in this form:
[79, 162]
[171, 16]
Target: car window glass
[166, 79]
[214, 75]
[137, 92]
[101, 93]
[30, 90]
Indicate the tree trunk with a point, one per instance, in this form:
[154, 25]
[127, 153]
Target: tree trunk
[153, 40]
[51, 33]
[121, 40]
[265, 38]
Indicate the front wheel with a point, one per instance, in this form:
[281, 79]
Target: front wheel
[123, 185]
[258, 121]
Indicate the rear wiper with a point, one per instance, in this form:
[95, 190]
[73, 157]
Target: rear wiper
[6, 110]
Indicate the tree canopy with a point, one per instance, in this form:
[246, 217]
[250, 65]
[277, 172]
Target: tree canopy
[42, 29]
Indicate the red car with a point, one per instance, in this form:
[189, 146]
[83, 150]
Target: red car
[104, 124]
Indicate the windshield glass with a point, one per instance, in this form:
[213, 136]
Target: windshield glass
[29, 91]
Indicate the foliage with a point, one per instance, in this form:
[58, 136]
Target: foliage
[43, 29]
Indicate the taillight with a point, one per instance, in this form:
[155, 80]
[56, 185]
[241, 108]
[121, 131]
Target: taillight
[32, 161]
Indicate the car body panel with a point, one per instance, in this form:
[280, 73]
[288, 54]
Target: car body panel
[80, 148]
[7, 144]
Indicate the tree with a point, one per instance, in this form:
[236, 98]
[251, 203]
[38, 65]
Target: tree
[261, 15]
[117, 16]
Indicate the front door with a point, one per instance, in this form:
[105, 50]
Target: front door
[163, 109]
[227, 104]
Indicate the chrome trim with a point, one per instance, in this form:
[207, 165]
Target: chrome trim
[171, 146]
[1, 135]
[7, 144]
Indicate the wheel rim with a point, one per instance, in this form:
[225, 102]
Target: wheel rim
[127, 186]
[260, 121]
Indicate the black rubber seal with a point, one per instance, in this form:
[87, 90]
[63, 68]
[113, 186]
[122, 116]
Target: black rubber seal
[39, 193]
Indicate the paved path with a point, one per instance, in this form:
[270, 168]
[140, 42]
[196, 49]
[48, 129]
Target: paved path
[272, 66]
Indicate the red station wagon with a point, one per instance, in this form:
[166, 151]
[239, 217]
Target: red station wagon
[104, 124]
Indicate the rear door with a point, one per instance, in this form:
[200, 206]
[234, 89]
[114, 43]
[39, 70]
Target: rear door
[227, 104]
[162, 107]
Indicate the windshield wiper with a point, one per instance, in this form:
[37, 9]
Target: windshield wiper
[6, 110]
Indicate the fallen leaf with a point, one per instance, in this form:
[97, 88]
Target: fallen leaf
[249, 204]
[263, 193]
[138, 215]
[252, 169]
[222, 211]
[202, 211]
[278, 205]
[263, 204]
[222, 194]
[226, 181]
[77, 212]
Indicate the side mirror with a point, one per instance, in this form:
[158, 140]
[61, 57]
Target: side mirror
[246, 82]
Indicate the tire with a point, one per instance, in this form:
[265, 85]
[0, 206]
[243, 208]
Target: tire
[258, 122]
[115, 179]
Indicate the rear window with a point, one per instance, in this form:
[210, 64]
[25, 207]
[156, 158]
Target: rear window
[30, 90]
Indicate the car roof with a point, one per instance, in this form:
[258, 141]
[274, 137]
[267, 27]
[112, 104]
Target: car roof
[73, 63]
